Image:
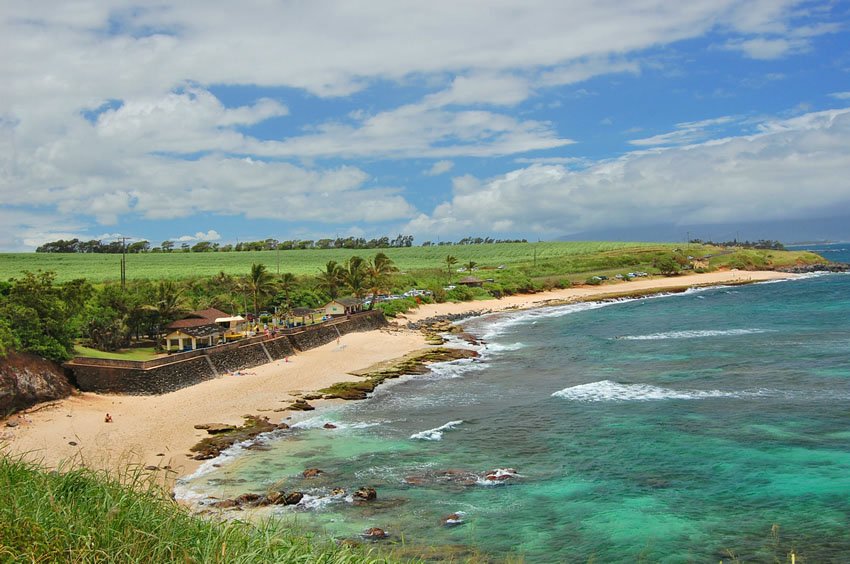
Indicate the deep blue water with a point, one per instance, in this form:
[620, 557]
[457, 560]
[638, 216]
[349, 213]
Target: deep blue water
[670, 429]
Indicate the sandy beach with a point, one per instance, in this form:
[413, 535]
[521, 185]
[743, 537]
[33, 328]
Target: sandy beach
[159, 430]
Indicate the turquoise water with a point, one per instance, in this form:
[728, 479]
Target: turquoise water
[668, 429]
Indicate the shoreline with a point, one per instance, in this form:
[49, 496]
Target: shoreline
[158, 431]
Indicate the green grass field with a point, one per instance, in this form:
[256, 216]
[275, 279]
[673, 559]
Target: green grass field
[538, 261]
[178, 265]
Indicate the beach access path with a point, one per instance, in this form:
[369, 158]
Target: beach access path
[159, 430]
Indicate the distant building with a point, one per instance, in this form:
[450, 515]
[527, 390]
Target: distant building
[471, 281]
[202, 328]
[342, 306]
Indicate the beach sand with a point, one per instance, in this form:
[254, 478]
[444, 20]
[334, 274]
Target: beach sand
[159, 430]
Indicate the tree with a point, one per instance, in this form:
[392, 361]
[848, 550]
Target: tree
[168, 305]
[286, 285]
[261, 283]
[43, 319]
[450, 262]
[378, 272]
[667, 266]
[167, 246]
[354, 276]
[330, 279]
[470, 266]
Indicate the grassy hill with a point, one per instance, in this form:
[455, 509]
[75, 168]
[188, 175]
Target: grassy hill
[535, 259]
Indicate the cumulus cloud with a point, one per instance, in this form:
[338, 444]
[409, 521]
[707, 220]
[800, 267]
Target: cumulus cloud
[793, 168]
[211, 235]
[439, 167]
[841, 95]
[108, 110]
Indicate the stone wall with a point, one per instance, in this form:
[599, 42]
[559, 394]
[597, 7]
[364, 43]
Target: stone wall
[186, 369]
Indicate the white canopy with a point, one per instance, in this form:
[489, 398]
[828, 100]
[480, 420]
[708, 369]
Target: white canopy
[229, 319]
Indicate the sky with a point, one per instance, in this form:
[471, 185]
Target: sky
[216, 121]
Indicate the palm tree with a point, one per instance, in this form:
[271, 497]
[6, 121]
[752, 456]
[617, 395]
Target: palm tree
[168, 304]
[330, 279]
[471, 265]
[378, 272]
[286, 284]
[354, 276]
[450, 262]
[261, 283]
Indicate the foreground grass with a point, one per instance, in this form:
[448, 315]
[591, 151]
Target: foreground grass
[82, 515]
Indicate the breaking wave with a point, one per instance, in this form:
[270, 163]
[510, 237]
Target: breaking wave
[436, 434]
[692, 334]
[607, 390]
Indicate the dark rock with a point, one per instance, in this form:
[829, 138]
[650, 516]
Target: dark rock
[311, 397]
[808, 268]
[151, 467]
[26, 380]
[219, 428]
[365, 494]
[282, 426]
[338, 491]
[225, 504]
[293, 498]
[453, 520]
[500, 475]
[300, 405]
[248, 499]
[12, 423]
[312, 472]
[202, 426]
[375, 533]
[72, 443]
[329, 426]
[276, 498]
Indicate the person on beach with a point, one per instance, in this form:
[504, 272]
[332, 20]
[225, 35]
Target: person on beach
[107, 419]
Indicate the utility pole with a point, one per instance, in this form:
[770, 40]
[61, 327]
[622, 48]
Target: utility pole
[123, 263]
[277, 250]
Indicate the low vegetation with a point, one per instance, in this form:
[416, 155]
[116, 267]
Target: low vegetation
[54, 302]
[81, 515]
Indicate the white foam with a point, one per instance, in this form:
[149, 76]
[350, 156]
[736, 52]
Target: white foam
[498, 347]
[453, 369]
[607, 390]
[319, 422]
[436, 434]
[694, 334]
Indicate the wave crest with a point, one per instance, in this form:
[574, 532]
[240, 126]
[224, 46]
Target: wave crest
[435, 434]
[607, 390]
[692, 334]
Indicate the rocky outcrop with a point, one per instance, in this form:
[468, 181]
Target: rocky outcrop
[808, 268]
[212, 446]
[26, 380]
[413, 363]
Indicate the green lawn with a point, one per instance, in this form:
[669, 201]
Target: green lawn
[141, 353]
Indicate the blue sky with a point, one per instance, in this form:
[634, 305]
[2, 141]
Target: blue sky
[539, 119]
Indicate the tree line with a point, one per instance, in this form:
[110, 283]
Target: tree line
[760, 244]
[40, 316]
[169, 246]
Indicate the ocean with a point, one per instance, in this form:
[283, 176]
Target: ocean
[691, 427]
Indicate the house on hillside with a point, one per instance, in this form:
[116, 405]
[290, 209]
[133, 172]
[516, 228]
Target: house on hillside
[202, 328]
[471, 281]
[342, 306]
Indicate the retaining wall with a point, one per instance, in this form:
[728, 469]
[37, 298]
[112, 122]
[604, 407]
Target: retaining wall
[180, 370]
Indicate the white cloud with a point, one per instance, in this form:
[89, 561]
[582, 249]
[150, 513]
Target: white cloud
[794, 168]
[685, 132]
[841, 95]
[211, 235]
[439, 167]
